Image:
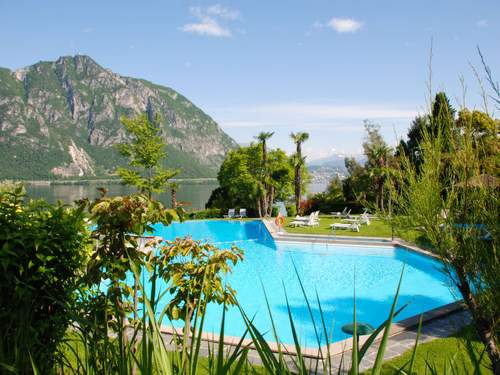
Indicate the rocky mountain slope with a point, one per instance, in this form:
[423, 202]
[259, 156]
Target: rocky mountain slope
[60, 119]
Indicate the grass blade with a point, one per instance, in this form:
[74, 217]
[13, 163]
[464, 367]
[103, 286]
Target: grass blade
[300, 363]
[414, 353]
[383, 343]
[354, 355]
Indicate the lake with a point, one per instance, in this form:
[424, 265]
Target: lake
[196, 194]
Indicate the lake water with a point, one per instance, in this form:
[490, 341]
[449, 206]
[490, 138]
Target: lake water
[196, 194]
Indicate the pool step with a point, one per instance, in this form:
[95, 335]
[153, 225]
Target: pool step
[332, 239]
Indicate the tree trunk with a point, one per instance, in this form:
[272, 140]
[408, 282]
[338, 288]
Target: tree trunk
[483, 325]
[270, 202]
[298, 192]
[298, 178]
[263, 199]
[259, 208]
[174, 198]
[381, 194]
[185, 341]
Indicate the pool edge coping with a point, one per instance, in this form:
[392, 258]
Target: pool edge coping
[336, 348]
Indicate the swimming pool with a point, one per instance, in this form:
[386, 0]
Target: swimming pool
[327, 269]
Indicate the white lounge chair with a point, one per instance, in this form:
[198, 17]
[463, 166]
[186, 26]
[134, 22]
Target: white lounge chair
[230, 214]
[340, 214]
[243, 212]
[352, 226]
[312, 221]
[363, 219]
[314, 215]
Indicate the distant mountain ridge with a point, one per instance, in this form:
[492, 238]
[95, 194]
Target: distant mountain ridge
[59, 119]
[334, 161]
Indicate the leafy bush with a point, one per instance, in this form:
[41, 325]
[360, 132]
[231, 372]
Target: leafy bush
[219, 199]
[209, 213]
[291, 210]
[305, 206]
[42, 255]
[323, 202]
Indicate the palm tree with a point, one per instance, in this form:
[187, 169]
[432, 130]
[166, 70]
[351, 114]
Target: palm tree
[262, 137]
[377, 158]
[298, 161]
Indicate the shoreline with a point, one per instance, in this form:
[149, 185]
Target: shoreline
[112, 181]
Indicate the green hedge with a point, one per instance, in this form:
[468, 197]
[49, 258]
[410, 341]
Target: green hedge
[210, 213]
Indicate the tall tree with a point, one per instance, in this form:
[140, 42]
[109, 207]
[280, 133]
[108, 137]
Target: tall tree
[457, 212]
[411, 146]
[298, 161]
[262, 137]
[379, 170]
[377, 154]
[241, 182]
[146, 152]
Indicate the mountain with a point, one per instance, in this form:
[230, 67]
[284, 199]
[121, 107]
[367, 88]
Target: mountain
[59, 119]
[332, 161]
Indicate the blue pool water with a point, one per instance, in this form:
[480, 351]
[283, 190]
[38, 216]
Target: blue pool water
[327, 269]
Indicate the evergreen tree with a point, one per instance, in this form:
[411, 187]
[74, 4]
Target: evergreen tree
[453, 207]
[145, 152]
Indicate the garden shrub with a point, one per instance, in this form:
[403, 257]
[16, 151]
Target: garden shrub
[209, 213]
[42, 256]
[326, 204]
[291, 210]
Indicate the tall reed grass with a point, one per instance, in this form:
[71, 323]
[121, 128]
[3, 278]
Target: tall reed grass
[150, 350]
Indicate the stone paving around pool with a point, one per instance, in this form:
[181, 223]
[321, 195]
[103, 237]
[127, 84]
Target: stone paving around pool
[397, 344]
[401, 342]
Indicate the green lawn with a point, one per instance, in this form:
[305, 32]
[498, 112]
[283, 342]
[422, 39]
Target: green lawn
[439, 353]
[377, 228]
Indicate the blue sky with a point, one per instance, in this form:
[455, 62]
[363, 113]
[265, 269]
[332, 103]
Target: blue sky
[318, 66]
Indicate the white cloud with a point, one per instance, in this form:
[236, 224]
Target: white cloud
[88, 30]
[330, 124]
[223, 12]
[345, 25]
[482, 23]
[330, 111]
[209, 21]
[208, 27]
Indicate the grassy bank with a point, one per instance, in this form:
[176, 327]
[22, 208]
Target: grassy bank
[377, 228]
[441, 354]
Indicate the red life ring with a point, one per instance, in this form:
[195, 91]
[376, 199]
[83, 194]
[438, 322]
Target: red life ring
[280, 220]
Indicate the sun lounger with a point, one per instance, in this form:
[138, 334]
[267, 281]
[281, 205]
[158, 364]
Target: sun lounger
[311, 222]
[352, 226]
[230, 214]
[347, 215]
[314, 215]
[340, 214]
[363, 219]
[243, 212]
